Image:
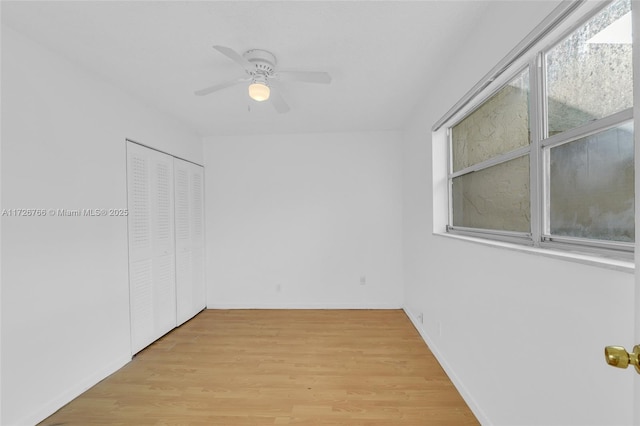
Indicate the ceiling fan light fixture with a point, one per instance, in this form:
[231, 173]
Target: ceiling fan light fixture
[259, 91]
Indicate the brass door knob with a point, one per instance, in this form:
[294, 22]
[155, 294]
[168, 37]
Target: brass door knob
[617, 356]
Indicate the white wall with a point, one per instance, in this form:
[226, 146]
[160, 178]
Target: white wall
[521, 335]
[294, 221]
[65, 300]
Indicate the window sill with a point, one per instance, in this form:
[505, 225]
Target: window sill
[603, 262]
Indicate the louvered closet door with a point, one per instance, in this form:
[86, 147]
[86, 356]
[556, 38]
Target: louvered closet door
[151, 244]
[189, 214]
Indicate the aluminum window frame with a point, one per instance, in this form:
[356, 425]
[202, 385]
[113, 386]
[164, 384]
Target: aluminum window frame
[533, 58]
[494, 234]
[547, 239]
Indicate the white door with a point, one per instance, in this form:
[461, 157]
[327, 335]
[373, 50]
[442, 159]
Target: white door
[151, 244]
[189, 218]
[635, 11]
[618, 356]
[636, 392]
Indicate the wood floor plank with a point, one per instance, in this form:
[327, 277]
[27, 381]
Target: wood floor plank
[278, 367]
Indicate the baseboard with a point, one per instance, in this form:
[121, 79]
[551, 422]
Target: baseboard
[304, 306]
[72, 393]
[473, 405]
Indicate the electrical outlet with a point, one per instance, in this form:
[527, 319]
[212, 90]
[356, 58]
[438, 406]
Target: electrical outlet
[439, 328]
[420, 318]
[278, 288]
[363, 280]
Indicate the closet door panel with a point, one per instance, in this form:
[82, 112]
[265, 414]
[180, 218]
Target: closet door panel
[151, 244]
[139, 166]
[189, 239]
[183, 241]
[163, 245]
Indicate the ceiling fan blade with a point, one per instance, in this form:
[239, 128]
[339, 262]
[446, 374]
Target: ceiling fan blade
[220, 86]
[278, 101]
[305, 76]
[236, 57]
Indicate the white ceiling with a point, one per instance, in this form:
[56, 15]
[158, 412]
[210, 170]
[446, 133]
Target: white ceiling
[382, 55]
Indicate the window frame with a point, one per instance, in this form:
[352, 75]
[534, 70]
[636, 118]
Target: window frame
[511, 236]
[533, 58]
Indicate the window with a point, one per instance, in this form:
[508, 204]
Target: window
[490, 144]
[547, 159]
[591, 191]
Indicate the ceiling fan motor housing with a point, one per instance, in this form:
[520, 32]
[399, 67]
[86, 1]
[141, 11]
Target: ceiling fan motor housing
[264, 61]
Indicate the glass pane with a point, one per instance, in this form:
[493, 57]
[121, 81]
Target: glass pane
[592, 186]
[494, 198]
[589, 74]
[499, 125]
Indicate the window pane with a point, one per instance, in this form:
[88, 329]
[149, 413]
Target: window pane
[592, 186]
[589, 74]
[500, 125]
[494, 198]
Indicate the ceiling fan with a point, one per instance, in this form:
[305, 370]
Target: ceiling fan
[260, 67]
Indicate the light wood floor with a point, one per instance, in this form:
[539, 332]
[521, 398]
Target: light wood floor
[278, 367]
